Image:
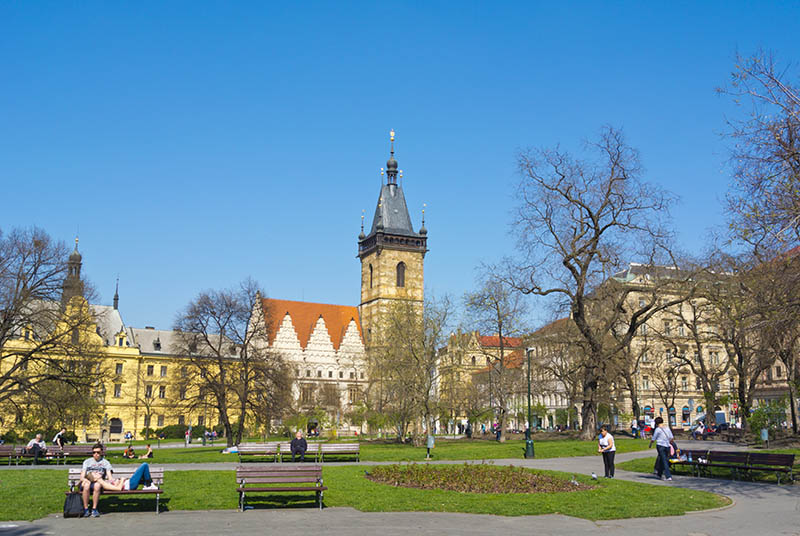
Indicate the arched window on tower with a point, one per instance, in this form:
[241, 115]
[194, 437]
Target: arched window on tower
[370, 276]
[401, 274]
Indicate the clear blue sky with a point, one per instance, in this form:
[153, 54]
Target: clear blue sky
[193, 144]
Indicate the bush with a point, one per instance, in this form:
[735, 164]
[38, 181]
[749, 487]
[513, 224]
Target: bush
[173, 431]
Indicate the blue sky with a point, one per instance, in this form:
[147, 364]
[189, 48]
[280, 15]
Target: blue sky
[194, 144]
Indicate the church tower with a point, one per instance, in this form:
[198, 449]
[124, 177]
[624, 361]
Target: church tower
[392, 254]
[72, 286]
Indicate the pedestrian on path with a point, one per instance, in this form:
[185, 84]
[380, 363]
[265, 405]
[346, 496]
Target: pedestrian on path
[608, 449]
[662, 438]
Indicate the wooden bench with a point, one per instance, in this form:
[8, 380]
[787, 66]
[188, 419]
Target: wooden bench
[10, 451]
[732, 435]
[340, 449]
[76, 451]
[777, 463]
[259, 450]
[52, 453]
[695, 455]
[286, 450]
[156, 473]
[279, 479]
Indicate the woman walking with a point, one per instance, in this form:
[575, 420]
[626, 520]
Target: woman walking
[608, 449]
[662, 438]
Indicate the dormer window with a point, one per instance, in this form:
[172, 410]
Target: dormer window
[157, 344]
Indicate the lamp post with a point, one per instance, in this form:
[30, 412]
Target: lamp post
[529, 453]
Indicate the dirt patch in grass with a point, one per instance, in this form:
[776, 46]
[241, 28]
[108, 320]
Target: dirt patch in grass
[472, 478]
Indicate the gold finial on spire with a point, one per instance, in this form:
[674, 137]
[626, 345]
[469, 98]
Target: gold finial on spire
[391, 135]
[423, 213]
[362, 220]
[76, 242]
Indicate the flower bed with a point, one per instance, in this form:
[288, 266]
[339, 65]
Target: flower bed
[472, 478]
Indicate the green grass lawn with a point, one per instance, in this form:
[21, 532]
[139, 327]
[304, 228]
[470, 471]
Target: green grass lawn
[378, 452]
[645, 465]
[189, 490]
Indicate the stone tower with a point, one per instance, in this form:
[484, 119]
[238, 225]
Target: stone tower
[72, 286]
[392, 254]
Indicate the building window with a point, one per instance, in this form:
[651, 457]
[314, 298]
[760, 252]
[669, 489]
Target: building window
[119, 368]
[681, 331]
[473, 361]
[667, 328]
[306, 394]
[352, 375]
[401, 274]
[645, 383]
[181, 420]
[642, 303]
[201, 421]
[160, 421]
[117, 390]
[362, 375]
[778, 372]
[330, 374]
[308, 373]
[370, 276]
[732, 384]
[341, 374]
[319, 374]
[162, 391]
[182, 393]
[148, 391]
[684, 383]
[149, 370]
[353, 391]
[643, 329]
[644, 357]
[120, 341]
[184, 372]
[163, 371]
[147, 421]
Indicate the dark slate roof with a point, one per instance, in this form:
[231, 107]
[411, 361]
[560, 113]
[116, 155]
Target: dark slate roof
[392, 212]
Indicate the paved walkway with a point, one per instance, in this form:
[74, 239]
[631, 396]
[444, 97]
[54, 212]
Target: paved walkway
[761, 509]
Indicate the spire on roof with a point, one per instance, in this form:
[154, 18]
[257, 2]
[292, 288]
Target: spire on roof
[116, 295]
[423, 230]
[391, 164]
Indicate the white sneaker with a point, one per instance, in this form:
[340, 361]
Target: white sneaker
[151, 486]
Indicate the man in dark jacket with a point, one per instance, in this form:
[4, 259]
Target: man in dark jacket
[299, 446]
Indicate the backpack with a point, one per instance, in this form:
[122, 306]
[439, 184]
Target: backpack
[73, 505]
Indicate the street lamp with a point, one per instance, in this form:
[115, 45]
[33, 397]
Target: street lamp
[528, 441]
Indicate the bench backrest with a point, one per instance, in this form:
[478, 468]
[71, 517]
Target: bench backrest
[77, 450]
[727, 456]
[156, 473]
[278, 474]
[333, 448]
[774, 460]
[266, 448]
[7, 450]
[286, 447]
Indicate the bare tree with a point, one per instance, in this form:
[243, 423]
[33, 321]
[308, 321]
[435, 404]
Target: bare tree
[579, 223]
[764, 202]
[665, 372]
[404, 367]
[735, 326]
[43, 341]
[496, 309]
[224, 333]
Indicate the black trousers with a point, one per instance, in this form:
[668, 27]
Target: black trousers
[608, 462]
[302, 454]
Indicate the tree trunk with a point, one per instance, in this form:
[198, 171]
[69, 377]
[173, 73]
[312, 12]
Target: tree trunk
[589, 409]
[502, 422]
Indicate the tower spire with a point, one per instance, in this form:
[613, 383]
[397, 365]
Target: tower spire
[116, 295]
[391, 164]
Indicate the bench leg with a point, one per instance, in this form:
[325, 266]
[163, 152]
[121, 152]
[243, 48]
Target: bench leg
[319, 499]
[157, 497]
[241, 501]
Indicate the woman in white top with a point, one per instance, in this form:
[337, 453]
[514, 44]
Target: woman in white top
[662, 437]
[608, 449]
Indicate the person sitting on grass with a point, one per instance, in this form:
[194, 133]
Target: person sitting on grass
[93, 471]
[147, 454]
[129, 453]
[299, 446]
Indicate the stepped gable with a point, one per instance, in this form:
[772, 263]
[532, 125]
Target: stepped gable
[493, 341]
[305, 315]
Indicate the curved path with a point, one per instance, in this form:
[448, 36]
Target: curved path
[759, 508]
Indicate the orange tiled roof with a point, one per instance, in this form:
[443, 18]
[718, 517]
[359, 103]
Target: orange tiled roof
[305, 315]
[494, 341]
